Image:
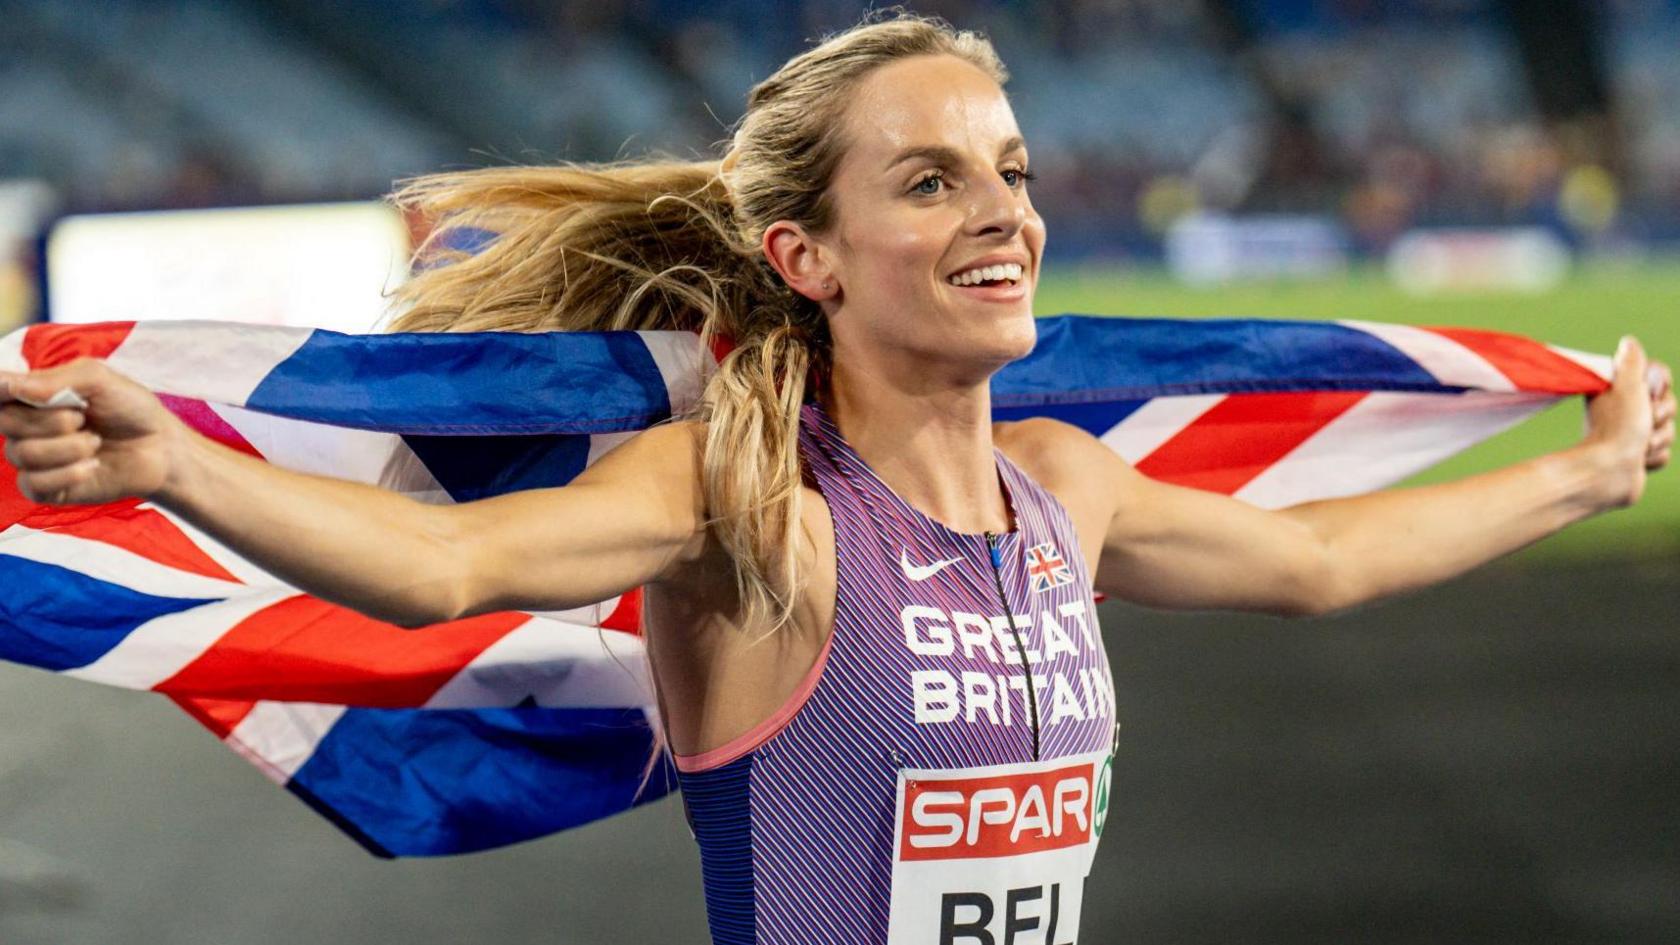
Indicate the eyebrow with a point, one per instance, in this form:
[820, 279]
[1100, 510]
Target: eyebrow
[947, 155]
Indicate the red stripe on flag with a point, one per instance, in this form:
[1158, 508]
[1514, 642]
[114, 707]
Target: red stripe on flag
[1242, 436]
[47, 346]
[220, 716]
[198, 415]
[627, 616]
[1528, 364]
[146, 532]
[303, 649]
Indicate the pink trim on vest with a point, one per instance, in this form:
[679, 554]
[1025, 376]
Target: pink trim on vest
[763, 731]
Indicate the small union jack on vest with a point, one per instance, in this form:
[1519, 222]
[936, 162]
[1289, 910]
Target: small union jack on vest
[1047, 567]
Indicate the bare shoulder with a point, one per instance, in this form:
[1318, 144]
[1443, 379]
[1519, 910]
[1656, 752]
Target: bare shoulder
[675, 438]
[1077, 468]
[1054, 453]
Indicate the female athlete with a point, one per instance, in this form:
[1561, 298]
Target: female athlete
[886, 728]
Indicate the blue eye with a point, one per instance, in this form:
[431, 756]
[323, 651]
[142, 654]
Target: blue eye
[935, 176]
[1024, 174]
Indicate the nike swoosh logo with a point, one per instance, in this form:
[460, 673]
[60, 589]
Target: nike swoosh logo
[921, 572]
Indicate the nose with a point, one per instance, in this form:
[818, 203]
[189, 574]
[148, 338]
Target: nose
[995, 209]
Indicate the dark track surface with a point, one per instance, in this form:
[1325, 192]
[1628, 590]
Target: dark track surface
[1495, 761]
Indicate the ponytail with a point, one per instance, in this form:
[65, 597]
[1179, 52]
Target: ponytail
[666, 244]
[643, 247]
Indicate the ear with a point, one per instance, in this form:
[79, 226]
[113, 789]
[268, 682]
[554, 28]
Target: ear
[801, 262]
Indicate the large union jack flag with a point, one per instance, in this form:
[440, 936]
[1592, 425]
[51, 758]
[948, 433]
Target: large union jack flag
[507, 726]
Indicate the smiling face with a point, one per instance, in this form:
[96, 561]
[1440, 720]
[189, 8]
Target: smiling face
[932, 185]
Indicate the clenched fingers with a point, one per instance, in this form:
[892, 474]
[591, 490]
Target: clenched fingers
[22, 420]
[1663, 409]
[1662, 442]
[51, 452]
[54, 486]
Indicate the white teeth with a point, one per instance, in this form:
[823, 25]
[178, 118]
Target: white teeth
[1010, 271]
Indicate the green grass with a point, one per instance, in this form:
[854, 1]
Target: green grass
[1589, 311]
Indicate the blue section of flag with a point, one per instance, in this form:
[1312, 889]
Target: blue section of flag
[1088, 359]
[476, 467]
[429, 782]
[1094, 418]
[469, 383]
[59, 619]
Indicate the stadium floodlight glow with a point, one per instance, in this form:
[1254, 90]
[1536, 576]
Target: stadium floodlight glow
[310, 265]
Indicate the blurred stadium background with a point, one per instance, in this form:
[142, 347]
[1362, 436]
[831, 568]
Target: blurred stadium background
[1490, 761]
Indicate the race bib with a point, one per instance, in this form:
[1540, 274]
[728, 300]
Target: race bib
[996, 855]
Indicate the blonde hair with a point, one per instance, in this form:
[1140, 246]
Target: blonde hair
[667, 244]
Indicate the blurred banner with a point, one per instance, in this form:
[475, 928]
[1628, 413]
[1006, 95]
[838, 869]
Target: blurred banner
[1511, 259]
[312, 266]
[1213, 248]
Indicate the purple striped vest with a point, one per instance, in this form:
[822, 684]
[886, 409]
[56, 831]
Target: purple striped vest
[917, 787]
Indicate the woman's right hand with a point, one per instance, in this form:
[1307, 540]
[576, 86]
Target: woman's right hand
[1630, 426]
[119, 445]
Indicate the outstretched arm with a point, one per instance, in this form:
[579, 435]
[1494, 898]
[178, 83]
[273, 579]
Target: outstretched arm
[1173, 547]
[624, 522]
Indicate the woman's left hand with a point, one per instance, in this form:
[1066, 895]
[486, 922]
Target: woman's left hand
[1631, 425]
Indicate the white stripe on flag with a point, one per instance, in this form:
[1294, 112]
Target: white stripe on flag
[556, 663]
[279, 737]
[680, 362]
[1384, 438]
[163, 646]
[1155, 423]
[381, 459]
[1452, 363]
[105, 562]
[206, 360]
